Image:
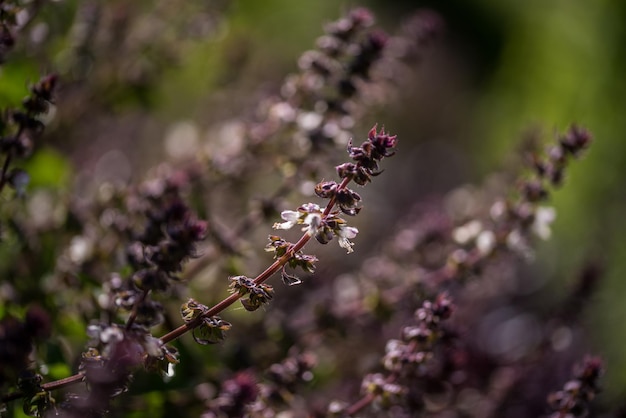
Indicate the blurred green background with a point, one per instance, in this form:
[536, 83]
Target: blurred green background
[502, 68]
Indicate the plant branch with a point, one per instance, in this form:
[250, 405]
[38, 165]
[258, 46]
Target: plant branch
[216, 309]
[7, 161]
[5, 169]
[57, 384]
[360, 405]
[133, 314]
[266, 274]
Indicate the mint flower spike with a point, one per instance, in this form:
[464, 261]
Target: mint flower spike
[324, 224]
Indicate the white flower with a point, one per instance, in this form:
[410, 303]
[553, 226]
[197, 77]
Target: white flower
[80, 249]
[291, 216]
[308, 214]
[345, 234]
[153, 347]
[313, 222]
[309, 121]
[544, 216]
[486, 242]
[465, 233]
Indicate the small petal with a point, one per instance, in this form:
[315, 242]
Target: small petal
[345, 243]
[290, 215]
[309, 208]
[348, 232]
[283, 225]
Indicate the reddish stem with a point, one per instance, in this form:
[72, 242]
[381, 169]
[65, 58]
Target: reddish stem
[266, 274]
[57, 384]
[216, 309]
[359, 405]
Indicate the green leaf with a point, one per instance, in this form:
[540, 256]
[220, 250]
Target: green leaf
[15, 77]
[48, 168]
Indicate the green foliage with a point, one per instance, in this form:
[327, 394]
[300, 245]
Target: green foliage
[15, 77]
[49, 168]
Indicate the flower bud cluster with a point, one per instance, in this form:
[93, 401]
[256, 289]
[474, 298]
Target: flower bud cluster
[107, 366]
[549, 171]
[156, 253]
[246, 395]
[280, 247]
[514, 222]
[235, 397]
[16, 341]
[346, 30]
[211, 329]
[172, 230]
[9, 11]
[281, 382]
[573, 400]
[20, 128]
[385, 392]
[325, 223]
[346, 199]
[377, 146]
[168, 238]
[321, 100]
[406, 361]
[105, 338]
[36, 398]
[551, 167]
[292, 370]
[407, 355]
[258, 294]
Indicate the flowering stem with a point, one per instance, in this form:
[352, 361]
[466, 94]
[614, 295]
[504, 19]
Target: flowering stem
[266, 274]
[57, 384]
[216, 309]
[366, 400]
[7, 161]
[133, 314]
[360, 404]
[61, 383]
[3, 179]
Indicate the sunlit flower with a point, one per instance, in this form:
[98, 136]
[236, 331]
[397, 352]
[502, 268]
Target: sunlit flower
[309, 215]
[486, 242]
[344, 235]
[290, 216]
[313, 222]
[544, 216]
[465, 233]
